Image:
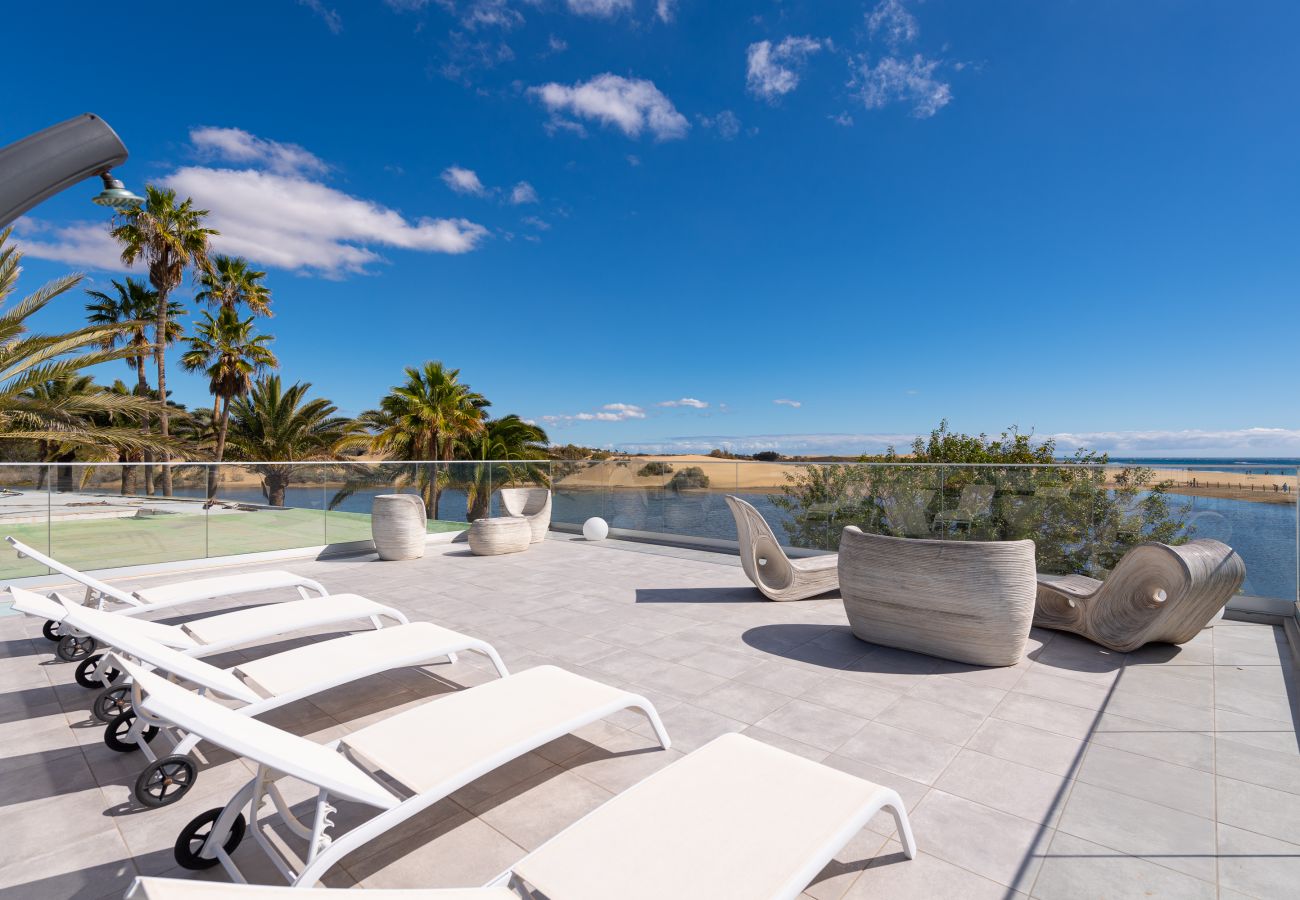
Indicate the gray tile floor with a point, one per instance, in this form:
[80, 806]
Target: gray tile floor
[1077, 773]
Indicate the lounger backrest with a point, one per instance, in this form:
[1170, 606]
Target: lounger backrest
[91, 621]
[265, 744]
[128, 636]
[80, 577]
[35, 605]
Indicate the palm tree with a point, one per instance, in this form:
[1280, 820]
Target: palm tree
[133, 307]
[274, 423]
[424, 419]
[231, 282]
[227, 350]
[510, 441]
[169, 237]
[29, 362]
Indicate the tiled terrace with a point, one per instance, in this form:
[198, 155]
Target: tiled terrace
[1078, 773]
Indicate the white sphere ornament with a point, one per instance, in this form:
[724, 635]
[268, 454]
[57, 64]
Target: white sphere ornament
[595, 529]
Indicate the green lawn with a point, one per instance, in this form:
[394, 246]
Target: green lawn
[104, 543]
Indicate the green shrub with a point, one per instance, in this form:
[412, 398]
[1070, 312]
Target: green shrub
[692, 477]
[656, 467]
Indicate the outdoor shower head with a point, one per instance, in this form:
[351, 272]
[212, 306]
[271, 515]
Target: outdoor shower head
[115, 195]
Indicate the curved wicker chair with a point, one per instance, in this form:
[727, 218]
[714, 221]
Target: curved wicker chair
[531, 503]
[397, 526]
[1155, 593]
[776, 575]
[969, 601]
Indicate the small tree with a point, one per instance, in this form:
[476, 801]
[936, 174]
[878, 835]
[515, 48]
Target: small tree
[654, 469]
[690, 477]
[1078, 522]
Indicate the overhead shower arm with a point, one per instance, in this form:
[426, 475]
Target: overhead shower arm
[40, 165]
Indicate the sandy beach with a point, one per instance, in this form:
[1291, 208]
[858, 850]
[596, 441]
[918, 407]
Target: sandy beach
[748, 476]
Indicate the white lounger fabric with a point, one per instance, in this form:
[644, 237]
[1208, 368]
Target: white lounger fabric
[212, 633]
[736, 818]
[169, 595]
[366, 652]
[425, 746]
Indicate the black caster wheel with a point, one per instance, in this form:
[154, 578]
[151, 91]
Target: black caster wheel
[116, 731]
[193, 835]
[87, 666]
[74, 649]
[111, 702]
[51, 630]
[166, 780]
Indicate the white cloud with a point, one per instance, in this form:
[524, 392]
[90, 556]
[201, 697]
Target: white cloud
[81, 244]
[788, 444]
[333, 21]
[463, 181]
[726, 122]
[891, 20]
[632, 105]
[602, 9]
[842, 118]
[238, 146]
[491, 14]
[685, 401]
[773, 71]
[783, 402]
[535, 222]
[557, 45]
[666, 10]
[633, 160]
[296, 223]
[523, 192]
[905, 81]
[610, 412]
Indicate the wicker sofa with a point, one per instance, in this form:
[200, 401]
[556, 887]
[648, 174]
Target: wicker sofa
[968, 601]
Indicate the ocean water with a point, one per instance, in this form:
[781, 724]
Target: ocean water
[1281, 465]
[1264, 534]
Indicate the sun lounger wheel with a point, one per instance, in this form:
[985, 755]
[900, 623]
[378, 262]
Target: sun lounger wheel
[87, 667]
[72, 648]
[51, 630]
[111, 702]
[193, 836]
[116, 731]
[166, 780]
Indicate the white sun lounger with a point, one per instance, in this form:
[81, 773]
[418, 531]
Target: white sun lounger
[260, 685]
[198, 637]
[736, 818]
[165, 596]
[425, 752]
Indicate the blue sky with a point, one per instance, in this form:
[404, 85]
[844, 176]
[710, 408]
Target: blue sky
[675, 225]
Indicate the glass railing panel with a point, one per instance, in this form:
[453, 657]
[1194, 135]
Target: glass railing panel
[94, 526]
[25, 515]
[1251, 508]
[260, 507]
[579, 490]
[350, 489]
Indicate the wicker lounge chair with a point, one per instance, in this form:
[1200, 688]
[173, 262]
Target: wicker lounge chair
[531, 503]
[776, 575]
[969, 601]
[1155, 593]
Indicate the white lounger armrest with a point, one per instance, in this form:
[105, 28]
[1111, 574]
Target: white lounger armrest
[190, 889]
[165, 595]
[735, 818]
